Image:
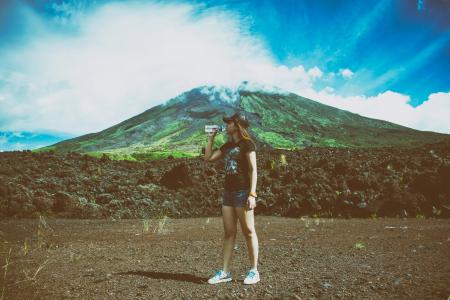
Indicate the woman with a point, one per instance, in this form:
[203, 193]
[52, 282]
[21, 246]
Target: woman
[239, 194]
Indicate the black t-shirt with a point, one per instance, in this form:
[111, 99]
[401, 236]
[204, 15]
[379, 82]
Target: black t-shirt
[236, 164]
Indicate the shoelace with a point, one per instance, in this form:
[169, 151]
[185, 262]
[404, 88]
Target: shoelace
[218, 273]
[251, 274]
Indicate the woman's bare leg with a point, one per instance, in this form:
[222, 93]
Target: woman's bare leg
[229, 237]
[247, 221]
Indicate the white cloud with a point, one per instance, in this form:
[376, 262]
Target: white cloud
[230, 93]
[432, 115]
[346, 73]
[315, 72]
[128, 57]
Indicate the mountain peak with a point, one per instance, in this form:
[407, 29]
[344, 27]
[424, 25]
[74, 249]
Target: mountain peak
[231, 93]
[226, 94]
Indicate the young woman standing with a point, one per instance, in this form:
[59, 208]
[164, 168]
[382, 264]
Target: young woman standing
[239, 196]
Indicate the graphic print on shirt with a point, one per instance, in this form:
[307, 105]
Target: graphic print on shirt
[231, 164]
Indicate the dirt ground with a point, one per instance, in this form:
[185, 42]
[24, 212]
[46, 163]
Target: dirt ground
[299, 258]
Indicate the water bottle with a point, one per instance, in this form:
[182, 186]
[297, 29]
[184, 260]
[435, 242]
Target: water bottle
[211, 128]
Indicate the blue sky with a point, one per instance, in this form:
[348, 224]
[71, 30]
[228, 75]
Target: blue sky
[383, 59]
[386, 40]
[398, 45]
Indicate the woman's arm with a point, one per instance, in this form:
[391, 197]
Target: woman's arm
[214, 156]
[209, 154]
[252, 171]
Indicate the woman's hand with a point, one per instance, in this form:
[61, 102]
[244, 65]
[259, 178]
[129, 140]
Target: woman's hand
[212, 134]
[251, 202]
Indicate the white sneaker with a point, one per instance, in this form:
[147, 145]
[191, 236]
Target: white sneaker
[220, 276]
[252, 277]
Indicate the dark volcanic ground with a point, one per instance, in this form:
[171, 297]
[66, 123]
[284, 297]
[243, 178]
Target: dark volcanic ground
[326, 182]
[329, 182]
[299, 258]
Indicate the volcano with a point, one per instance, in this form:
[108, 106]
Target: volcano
[279, 119]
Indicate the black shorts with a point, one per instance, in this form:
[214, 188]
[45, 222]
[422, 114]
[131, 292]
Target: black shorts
[237, 198]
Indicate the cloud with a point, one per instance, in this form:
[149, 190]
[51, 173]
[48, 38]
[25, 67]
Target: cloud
[230, 93]
[346, 73]
[315, 72]
[124, 58]
[431, 115]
